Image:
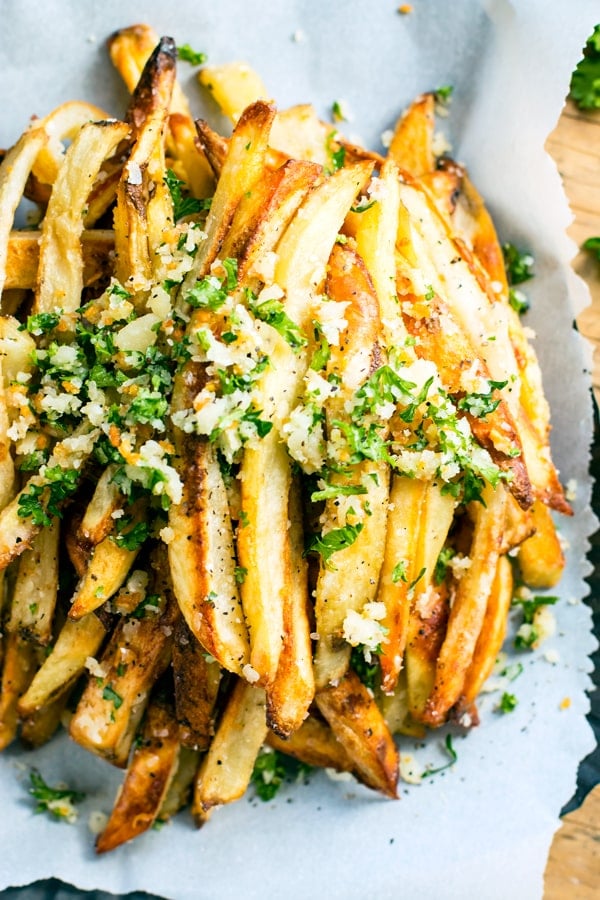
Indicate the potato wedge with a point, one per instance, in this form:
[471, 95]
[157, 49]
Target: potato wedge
[359, 726]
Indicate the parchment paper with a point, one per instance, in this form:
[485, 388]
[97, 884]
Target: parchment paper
[482, 828]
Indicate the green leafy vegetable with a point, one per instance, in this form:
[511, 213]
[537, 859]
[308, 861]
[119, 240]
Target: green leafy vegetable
[272, 768]
[183, 204]
[368, 672]
[508, 702]
[585, 81]
[441, 566]
[273, 313]
[451, 753]
[111, 695]
[56, 801]
[333, 541]
[193, 57]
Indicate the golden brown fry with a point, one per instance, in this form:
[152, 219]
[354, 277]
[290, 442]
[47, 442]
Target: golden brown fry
[14, 171]
[315, 744]
[111, 706]
[242, 167]
[468, 609]
[196, 680]
[108, 567]
[76, 643]
[39, 727]
[147, 780]
[62, 125]
[98, 521]
[202, 558]
[24, 255]
[491, 637]
[349, 580]
[234, 87]
[226, 769]
[412, 144]
[358, 724]
[180, 788]
[36, 588]
[398, 571]
[60, 274]
[541, 559]
[190, 164]
[293, 688]
[19, 664]
[144, 207]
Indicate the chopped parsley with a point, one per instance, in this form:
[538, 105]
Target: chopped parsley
[519, 268]
[585, 80]
[240, 574]
[368, 672]
[527, 635]
[443, 94]
[111, 695]
[183, 204]
[191, 56]
[399, 572]
[508, 702]
[272, 768]
[273, 313]
[333, 541]
[481, 405]
[42, 323]
[42, 502]
[593, 245]
[131, 538]
[331, 491]
[443, 561]
[336, 153]
[58, 801]
[449, 748]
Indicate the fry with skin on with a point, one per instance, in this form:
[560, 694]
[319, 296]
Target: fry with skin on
[491, 637]
[36, 588]
[18, 666]
[196, 684]
[468, 609]
[147, 781]
[293, 688]
[76, 643]
[225, 771]
[357, 723]
[315, 744]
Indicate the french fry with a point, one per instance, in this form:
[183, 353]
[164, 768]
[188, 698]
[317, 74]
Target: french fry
[76, 643]
[359, 726]
[411, 147]
[19, 664]
[14, 171]
[98, 521]
[315, 744]
[196, 683]
[108, 567]
[111, 706]
[60, 277]
[202, 559]
[39, 727]
[234, 86]
[23, 257]
[225, 771]
[36, 588]
[541, 559]
[491, 637]
[293, 688]
[468, 609]
[147, 780]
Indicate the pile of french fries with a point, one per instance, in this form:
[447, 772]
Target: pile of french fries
[266, 417]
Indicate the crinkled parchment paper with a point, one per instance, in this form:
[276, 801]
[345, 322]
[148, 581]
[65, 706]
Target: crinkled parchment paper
[483, 828]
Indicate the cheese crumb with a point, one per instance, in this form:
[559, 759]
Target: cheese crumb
[250, 674]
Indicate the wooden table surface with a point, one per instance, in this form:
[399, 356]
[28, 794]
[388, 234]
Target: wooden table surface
[573, 871]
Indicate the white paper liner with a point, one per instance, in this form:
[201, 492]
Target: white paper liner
[483, 828]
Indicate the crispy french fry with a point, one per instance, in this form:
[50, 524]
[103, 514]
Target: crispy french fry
[14, 171]
[225, 771]
[111, 706]
[76, 643]
[98, 521]
[36, 587]
[541, 559]
[234, 87]
[23, 257]
[293, 688]
[108, 567]
[358, 724]
[202, 559]
[60, 275]
[19, 664]
[315, 744]
[147, 781]
[491, 637]
[196, 681]
[468, 609]
[39, 727]
[412, 144]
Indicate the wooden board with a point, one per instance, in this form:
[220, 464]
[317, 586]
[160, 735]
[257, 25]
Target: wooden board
[573, 871]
